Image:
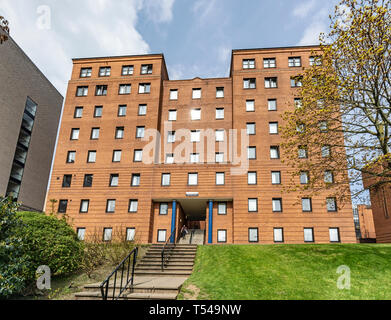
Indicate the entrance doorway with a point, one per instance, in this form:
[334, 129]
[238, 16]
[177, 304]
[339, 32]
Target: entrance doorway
[193, 215]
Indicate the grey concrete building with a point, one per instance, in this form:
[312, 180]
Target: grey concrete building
[30, 109]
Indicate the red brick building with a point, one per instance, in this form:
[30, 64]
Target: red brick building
[133, 161]
[367, 227]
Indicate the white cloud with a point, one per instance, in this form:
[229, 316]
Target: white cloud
[318, 25]
[80, 29]
[204, 8]
[304, 9]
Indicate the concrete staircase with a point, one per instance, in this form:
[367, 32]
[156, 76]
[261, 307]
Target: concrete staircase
[151, 282]
[194, 237]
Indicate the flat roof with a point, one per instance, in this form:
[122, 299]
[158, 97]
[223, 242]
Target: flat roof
[278, 48]
[122, 56]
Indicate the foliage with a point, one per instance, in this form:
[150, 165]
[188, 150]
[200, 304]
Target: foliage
[13, 262]
[345, 112]
[3, 27]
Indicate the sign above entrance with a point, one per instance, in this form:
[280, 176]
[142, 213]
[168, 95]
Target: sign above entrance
[192, 194]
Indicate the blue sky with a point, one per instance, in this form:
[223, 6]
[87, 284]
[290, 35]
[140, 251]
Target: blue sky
[196, 36]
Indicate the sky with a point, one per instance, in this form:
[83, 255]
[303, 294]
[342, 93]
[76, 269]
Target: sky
[195, 36]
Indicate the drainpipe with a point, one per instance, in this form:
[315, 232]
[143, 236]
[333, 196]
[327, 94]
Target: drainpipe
[173, 222]
[210, 225]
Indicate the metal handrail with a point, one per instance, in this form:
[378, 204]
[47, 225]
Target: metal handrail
[165, 249]
[124, 265]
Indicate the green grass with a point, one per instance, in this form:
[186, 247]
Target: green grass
[290, 272]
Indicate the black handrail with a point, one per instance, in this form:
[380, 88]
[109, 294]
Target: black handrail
[126, 264]
[165, 248]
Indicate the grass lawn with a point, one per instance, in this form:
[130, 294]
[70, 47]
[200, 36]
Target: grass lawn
[289, 272]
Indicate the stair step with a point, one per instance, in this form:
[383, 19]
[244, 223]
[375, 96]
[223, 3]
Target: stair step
[164, 273]
[136, 289]
[168, 267]
[176, 264]
[128, 296]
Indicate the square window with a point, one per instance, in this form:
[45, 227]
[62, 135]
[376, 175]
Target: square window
[222, 208]
[125, 89]
[75, 134]
[67, 181]
[163, 209]
[219, 157]
[219, 92]
[253, 235]
[323, 126]
[91, 157]
[98, 112]
[144, 88]
[85, 72]
[315, 61]
[197, 93]
[220, 178]
[78, 113]
[196, 114]
[107, 234]
[296, 82]
[171, 137]
[250, 105]
[95, 133]
[174, 94]
[138, 156]
[101, 90]
[172, 115]
[142, 110]
[251, 129]
[146, 69]
[130, 234]
[122, 111]
[269, 63]
[270, 83]
[252, 178]
[334, 235]
[331, 204]
[248, 63]
[222, 236]
[136, 179]
[220, 135]
[193, 179]
[274, 152]
[140, 132]
[195, 136]
[119, 132]
[166, 179]
[309, 235]
[277, 205]
[304, 177]
[84, 206]
[104, 71]
[249, 83]
[252, 205]
[195, 158]
[162, 236]
[71, 157]
[110, 207]
[170, 158]
[306, 204]
[62, 206]
[81, 232]
[82, 91]
[252, 153]
[298, 103]
[326, 151]
[278, 235]
[114, 179]
[328, 177]
[303, 152]
[220, 114]
[294, 62]
[276, 177]
[273, 127]
[117, 154]
[88, 179]
[127, 70]
[272, 105]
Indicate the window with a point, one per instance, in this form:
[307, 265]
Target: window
[81, 232]
[170, 158]
[323, 126]
[125, 89]
[276, 177]
[62, 206]
[95, 133]
[304, 177]
[196, 114]
[253, 235]
[91, 157]
[166, 179]
[249, 83]
[220, 114]
[252, 178]
[269, 63]
[270, 83]
[306, 204]
[133, 206]
[84, 205]
[328, 177]
[144, 88]
[219, 92]
[78, 112]
[294, 62]
[278, 235]
[334, 235]
[272, 105]
[298, 103]
[75, 134]
[67, 181]
[88, 178]
[110, 207]
[219, 157]
[119, 132]
[250, 105]
[171, 137]
[197, 93]
[220, 178]
[107, 234]
[142, 110]
[277, 205]
[173, 94]
[98, 112]
[114, 179]
[101, 90]
[146, 69]
[195, 158]
[331, 204]
[326, 151]
[309, 235]
[222, 208]
[273, 127]
[220, 135]
[138, 156]
[136, 179]
[163, 209]
[104, 72]
[140, 132]
[172, 115]
[85, 72]
[248, 63]
[252, 153]
[192, 179]
[300, 128]
[127, 70]
[195, 136]
[252, 205]
[251, 129]
[303, 152]
[122, 109]
[315, 60]
[222, 236]
[296, 82]
[130, 234]
[117, 154]
[71, 157]
[82, 91]
[162, 236]
[275, 152]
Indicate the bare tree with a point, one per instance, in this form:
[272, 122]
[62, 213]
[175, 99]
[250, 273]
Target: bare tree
[4, 30]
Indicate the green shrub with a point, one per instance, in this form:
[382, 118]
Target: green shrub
[52, 242]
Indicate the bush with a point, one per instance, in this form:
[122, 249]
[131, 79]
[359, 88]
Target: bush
[51, 242]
